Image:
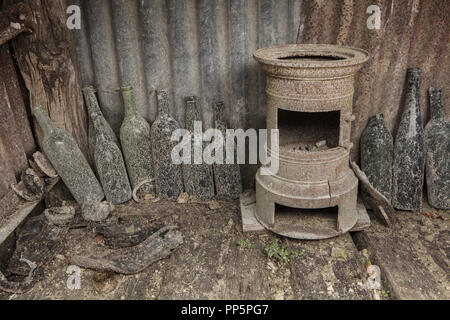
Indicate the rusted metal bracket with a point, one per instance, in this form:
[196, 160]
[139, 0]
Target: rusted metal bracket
[15, 20]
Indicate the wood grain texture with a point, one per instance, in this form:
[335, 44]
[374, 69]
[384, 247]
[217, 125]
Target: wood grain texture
[16, 100]
[46, 60]
[12, 154]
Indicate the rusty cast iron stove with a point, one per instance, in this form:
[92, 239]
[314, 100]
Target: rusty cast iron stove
[309, 99]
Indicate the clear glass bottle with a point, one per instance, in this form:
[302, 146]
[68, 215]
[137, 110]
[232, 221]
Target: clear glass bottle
[110, 165]
[68, 160]
[136, 145]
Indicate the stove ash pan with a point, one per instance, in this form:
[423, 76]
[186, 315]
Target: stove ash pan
[309, 99]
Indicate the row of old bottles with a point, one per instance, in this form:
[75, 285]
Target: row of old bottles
[105, 152]
[139, 156]
[112, 167]
[199, 179]
[398, 171]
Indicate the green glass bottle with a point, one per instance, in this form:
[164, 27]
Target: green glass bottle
[136, 145]
[110, 165]
[68, 160]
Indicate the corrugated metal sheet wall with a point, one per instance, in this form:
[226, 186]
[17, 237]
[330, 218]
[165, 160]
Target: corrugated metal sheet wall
[190, 47]
[413, 33]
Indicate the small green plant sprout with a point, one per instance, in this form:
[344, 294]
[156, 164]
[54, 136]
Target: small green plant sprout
[244, 244]
[281, 254]
[385, 293]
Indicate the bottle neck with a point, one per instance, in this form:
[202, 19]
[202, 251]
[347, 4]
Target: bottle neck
[376, 119]
[43, 119]
[413, 80]
[436, 103]
[163, 102]
[91, 101]
[219, 111]
[129, 103]
[191, 114]
[98, 125]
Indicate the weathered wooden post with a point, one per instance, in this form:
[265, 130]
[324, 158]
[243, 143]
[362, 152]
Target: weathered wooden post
[46, 59]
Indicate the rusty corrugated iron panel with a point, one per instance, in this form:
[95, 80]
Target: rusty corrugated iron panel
[413, 33]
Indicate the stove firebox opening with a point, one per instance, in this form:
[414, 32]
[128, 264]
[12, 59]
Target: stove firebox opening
[308, 131]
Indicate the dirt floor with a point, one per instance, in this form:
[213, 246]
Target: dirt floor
[218, 261]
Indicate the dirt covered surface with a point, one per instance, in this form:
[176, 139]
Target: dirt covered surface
[216, 261]
[413, 255]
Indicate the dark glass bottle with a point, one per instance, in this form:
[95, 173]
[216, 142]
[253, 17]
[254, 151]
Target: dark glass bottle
[93, 108]
[227, 177]
[377, 148]
[110, 165]
[169, 176]
[136, 145]
[68, 160]
[409, 162]
[437, 154]
[198, 177]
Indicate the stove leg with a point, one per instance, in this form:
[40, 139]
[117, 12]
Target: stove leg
[264, 205]
[347, 212]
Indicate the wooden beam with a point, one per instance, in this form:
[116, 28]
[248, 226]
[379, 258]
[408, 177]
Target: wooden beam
[46, 59]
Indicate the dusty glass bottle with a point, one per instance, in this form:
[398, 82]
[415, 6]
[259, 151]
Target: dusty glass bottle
[409, 163]
[136, 145]
[110, 165]
[227, 177]
[93, 108]
[197, 176]
[377, 150]
[169, 175]
[437, 154]
[68, 160]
